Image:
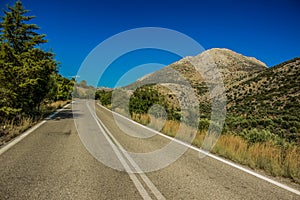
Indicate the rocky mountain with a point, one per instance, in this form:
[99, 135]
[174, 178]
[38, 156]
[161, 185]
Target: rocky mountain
[195, 72]
[231, 65]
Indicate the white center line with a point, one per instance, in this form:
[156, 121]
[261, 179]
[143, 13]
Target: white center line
[132, 176]
[148, 182]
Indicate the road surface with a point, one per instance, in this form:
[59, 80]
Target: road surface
[53, 163]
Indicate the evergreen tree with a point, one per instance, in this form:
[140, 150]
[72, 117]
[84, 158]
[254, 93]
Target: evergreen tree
[25, 69]
[19, 35]
[64, 88]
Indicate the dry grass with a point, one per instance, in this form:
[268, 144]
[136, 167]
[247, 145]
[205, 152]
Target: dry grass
[58, 104]
[276, 160]
[232, 147]
[199, 138]
[292, 163]
[171, 128]
[13, 128]
[141, 118]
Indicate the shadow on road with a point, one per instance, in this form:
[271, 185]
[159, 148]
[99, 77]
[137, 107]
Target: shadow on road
[66, 114]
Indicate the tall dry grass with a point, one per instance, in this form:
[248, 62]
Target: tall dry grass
[141, 118]
[58, 104]
[12, 128]
[277, 160]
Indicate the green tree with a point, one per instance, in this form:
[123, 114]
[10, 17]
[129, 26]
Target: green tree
[104, 97]
[61, 89]
[25, 69]
[19, 35]
[64, 88]
[142, 100]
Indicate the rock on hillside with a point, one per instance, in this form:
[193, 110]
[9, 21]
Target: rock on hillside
[232, 65]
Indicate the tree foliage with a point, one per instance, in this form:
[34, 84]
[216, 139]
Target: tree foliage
[142, 100]
[26, 70]
[104, 97]
[61, 89]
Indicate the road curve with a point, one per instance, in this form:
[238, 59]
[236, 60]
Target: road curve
[53, 163]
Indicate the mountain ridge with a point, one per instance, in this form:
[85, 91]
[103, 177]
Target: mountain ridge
[229, 63]
[252, 89]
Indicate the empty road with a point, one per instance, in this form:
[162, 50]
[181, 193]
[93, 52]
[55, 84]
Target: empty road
[56, 162]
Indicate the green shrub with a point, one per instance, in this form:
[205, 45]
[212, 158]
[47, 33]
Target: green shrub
[257, 136]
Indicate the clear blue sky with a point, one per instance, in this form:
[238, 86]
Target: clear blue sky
[267, 30]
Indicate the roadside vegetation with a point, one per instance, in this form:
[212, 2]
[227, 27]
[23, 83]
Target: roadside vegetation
[30, 86]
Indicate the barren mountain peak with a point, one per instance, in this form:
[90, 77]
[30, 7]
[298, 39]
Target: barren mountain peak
[230, 64]
[228, 57]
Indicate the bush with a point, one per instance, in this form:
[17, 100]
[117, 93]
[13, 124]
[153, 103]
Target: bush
[204, 124]
[257, 136]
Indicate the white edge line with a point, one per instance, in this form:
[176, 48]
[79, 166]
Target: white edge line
[212, 155]
[132, 176]
[26, 133]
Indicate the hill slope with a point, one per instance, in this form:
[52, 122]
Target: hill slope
[257, 97]
[269, 100]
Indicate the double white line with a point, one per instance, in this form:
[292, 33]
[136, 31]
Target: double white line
[126, 161]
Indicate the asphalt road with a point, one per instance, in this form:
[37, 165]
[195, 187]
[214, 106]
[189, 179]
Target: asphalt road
[53, 163]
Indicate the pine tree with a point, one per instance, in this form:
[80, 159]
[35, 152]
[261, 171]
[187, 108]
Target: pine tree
[25, 69]
[19, 35]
